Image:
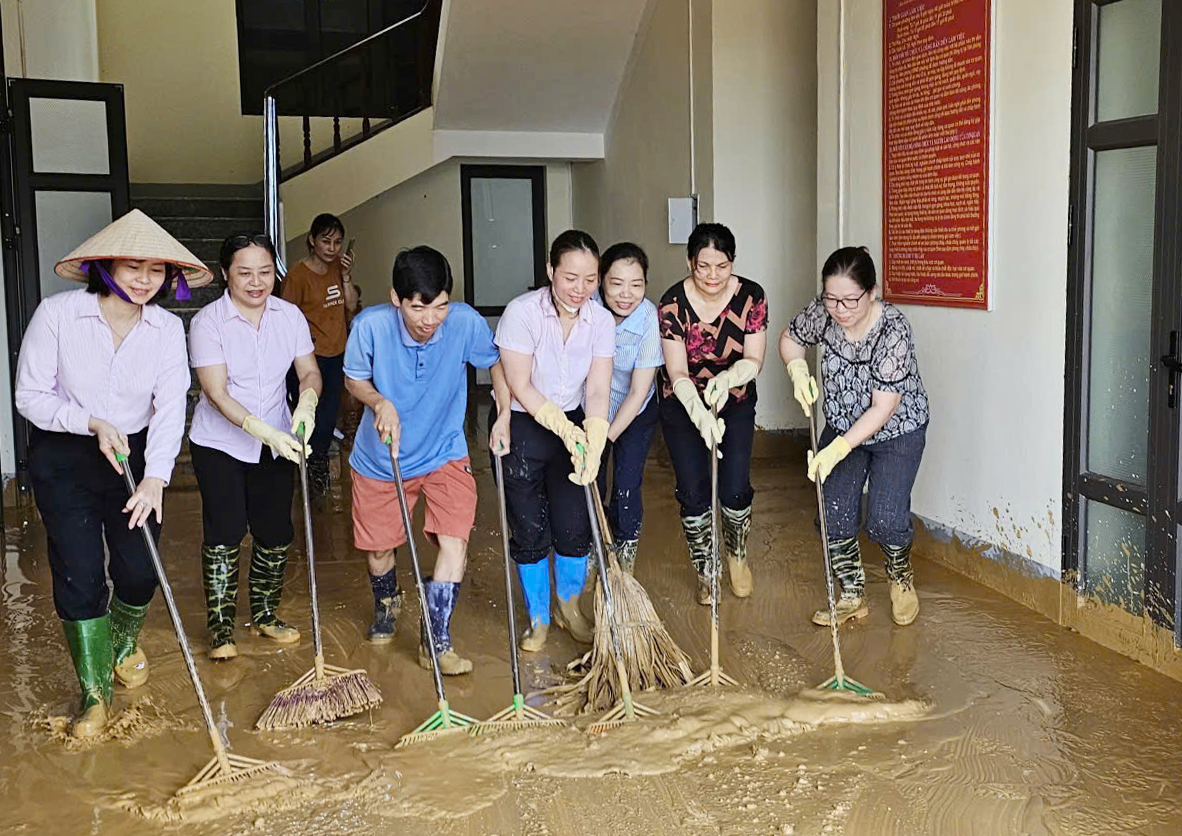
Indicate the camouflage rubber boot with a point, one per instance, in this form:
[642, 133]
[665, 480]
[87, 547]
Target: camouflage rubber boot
[387, 605]
[904, 600]
[441, 603]
[700, 545]
[267, 565]
[736, 525]
[626, 554]
[846, 559]
[219, 576]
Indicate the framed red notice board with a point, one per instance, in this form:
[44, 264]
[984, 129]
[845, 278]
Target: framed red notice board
[935, 157]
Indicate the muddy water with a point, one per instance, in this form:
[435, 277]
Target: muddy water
[999, 721]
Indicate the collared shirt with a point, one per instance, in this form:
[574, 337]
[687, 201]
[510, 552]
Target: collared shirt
[530, 325]
[69, 371]
[426, 382]
[256, 361]
[638, 346]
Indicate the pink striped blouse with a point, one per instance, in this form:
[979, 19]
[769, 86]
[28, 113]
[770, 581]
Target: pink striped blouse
[69, 371]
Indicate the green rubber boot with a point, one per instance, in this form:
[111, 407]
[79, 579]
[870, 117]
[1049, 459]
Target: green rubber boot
[219, 576]
[267, 565]
[90, 647]
[131, 664]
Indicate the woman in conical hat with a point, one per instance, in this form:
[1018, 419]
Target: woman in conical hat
[103, 374]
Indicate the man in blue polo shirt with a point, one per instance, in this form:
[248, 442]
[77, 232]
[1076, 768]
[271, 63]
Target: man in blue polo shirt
[407, 363]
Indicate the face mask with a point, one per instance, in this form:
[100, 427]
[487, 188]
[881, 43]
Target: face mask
[565, 306]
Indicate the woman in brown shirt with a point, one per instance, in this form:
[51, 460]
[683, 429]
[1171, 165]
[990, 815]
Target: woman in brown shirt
[321, 285]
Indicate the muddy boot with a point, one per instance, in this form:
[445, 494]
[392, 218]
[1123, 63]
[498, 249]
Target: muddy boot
[535, 589]
[131, 664]
[626, 554]
[904, 600]
[219, 576]
[847, 607]
[697, 540]
[90, 647]
[387, 604]
[736, 525]
[846, 561]
[266, 586]
[441, 603]
[318, 476]
[570, 573]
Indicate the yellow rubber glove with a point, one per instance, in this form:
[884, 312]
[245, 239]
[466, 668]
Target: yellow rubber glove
[596, 431]
[822, 464]
[718, 388]
[281, 443]
[305, 413]
[710, 427]
[804, 385]
[573, 438]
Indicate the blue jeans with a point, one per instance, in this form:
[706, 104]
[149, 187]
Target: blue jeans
[891, 467]
[625, 509]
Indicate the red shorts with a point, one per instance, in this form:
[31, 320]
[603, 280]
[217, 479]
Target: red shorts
[451, 506]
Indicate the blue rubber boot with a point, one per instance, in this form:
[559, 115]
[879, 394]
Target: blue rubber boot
[441, 603]
[535, 588]
[569, 575]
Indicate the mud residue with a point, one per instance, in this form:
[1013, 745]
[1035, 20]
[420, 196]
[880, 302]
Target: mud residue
[142, 720]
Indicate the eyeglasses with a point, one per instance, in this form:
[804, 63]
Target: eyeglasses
[846, 304]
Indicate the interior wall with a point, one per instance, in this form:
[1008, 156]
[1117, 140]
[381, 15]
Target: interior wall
[765, 162]
[994, 459]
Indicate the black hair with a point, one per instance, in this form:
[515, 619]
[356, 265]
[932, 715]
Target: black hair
[854, 263]
[95, 283]
[322, 223]
[240, 241]
[624, 251]
[572, 241]
[711, 235]
[421, 271]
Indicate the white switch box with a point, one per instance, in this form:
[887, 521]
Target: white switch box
[683, 217]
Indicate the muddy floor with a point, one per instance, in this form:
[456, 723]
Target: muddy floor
[1017, 726]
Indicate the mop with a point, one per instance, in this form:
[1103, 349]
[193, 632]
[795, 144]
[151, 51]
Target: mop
[444, 720]
[223, 768]
[715, 676]
[326, 692]
[518, 715]
[839, 681]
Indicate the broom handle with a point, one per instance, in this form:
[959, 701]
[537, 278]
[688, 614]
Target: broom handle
[215, 736]
[604, 528]
[310, 553]
[839, 669]
[714, 668]
[513, 661]
[414, 562]
[597, 537]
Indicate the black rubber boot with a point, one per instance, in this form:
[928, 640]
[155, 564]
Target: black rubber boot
[387, 604]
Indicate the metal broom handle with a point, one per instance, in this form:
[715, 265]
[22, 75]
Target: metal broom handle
[840, 670]
[597, 537]
[714, 557]
[310, 553]
[500, 472]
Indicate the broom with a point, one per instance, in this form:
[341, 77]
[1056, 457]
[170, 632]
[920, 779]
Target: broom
[223, 768]
[715, 676]
[325, 693]
[444, 720]
[518, 715]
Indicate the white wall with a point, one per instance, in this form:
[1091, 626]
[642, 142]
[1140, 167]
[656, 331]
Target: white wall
[765, 160]
[994, 460]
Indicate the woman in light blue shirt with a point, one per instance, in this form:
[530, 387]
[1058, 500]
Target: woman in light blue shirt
[623, 273]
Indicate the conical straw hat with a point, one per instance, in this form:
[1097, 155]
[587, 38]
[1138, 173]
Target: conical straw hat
[135, 236]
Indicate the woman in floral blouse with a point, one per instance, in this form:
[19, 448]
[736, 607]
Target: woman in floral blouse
[713, 335]
[876, 411]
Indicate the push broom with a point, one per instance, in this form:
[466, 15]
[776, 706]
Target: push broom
[326, 692]
[518, 715]
[839, 681]
[223, 768]
[443, 720]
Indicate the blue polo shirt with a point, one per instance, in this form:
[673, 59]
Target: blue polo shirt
[426, 382]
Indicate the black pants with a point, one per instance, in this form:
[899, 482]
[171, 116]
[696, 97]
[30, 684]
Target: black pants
[235, 495]
[81, 499]
[332, 381]
[691, 456]
[625, 510]
[546, 509]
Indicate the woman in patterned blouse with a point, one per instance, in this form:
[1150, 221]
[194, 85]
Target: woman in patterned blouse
[876, 411]
[713, 335]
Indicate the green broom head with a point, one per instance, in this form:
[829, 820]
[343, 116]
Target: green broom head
[313, 701]
[443, 721]
[844, 683]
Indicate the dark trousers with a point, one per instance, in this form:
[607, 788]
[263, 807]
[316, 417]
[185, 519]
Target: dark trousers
[891, 467]
[691, 456]
[545, 509]
[332, 380]
[236, 495]
[625, 509]
[81, 499]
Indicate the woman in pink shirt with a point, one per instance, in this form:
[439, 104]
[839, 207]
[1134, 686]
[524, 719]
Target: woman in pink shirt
[242, 346]
[102, 377]
[557, 346]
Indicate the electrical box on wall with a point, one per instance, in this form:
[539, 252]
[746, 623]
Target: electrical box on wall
[683, 217]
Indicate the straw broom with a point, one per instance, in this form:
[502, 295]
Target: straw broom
[325, 693]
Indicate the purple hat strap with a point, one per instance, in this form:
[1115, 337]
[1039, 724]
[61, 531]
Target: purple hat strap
[183, 292]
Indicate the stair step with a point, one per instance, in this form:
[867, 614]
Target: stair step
[206, 249]
[250, 210]
[207, 227]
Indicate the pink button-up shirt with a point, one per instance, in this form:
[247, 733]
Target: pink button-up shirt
[256, 361]
[530, 325]
[69, 371]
